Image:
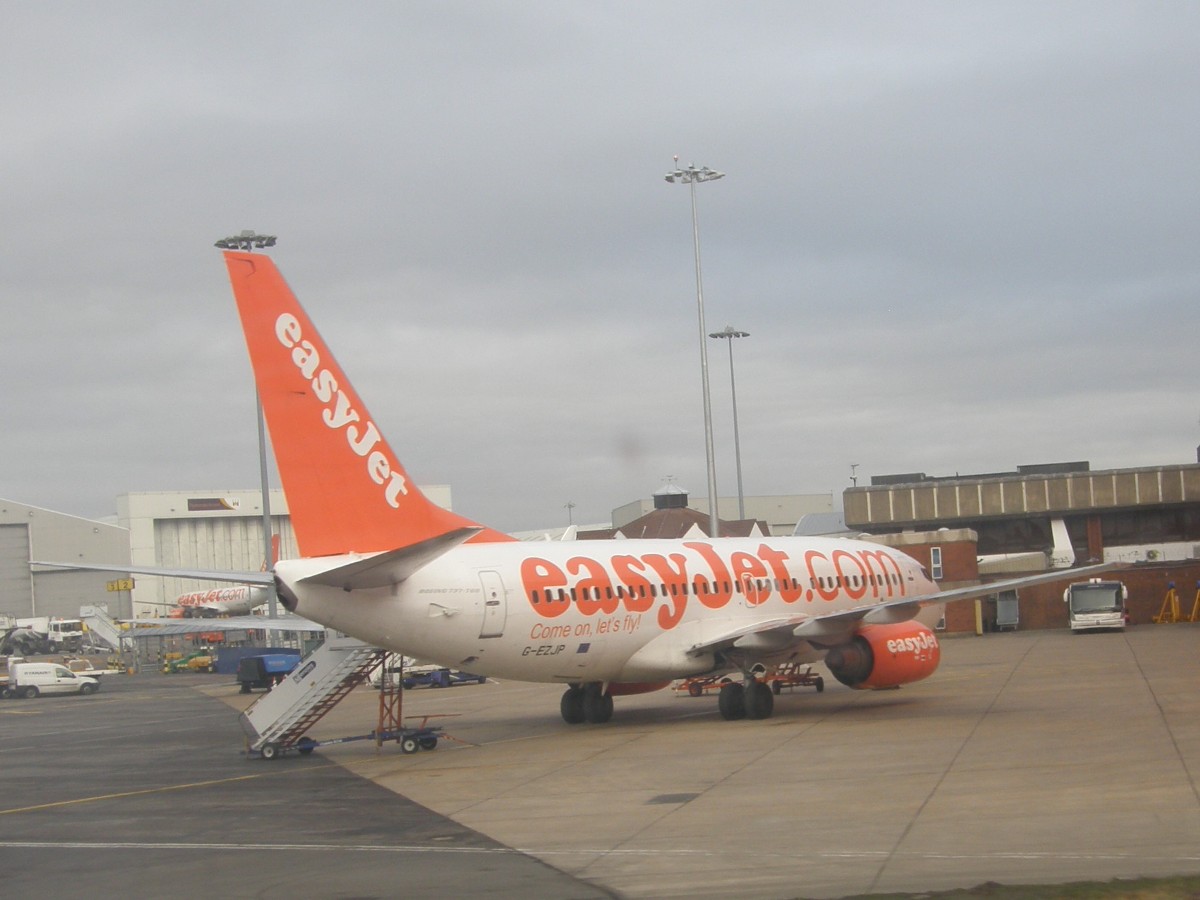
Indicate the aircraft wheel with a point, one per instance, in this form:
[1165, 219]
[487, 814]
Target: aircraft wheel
[759, 701]
[409, 745]
[269, 751]
[732, 701]
[597, 706]
[571, 705]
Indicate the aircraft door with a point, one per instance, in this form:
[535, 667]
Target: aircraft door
[495, 604]
[752, 594]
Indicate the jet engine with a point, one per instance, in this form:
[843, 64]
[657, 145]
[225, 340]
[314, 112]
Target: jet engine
[885, 656]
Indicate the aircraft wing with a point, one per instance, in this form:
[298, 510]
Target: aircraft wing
[199, 574]
[835, 627]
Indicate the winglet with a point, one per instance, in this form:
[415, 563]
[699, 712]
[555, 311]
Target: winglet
[346, 490]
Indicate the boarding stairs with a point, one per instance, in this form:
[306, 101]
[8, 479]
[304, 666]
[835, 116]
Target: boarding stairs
[280, 717]
[101, 625]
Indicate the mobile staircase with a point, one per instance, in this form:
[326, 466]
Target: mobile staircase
[277, 721]
[101, 625]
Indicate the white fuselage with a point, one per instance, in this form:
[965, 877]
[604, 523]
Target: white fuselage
[225, 601]
[628, 611]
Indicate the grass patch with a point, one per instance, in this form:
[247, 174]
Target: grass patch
[1183, 888]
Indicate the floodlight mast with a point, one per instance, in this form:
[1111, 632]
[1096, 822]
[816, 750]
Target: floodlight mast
[691, 176]
[248, 242]
[728, 334]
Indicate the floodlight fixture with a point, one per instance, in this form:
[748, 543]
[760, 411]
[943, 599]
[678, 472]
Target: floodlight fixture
[246, 241]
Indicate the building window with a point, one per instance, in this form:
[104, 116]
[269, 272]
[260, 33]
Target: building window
[935, 563]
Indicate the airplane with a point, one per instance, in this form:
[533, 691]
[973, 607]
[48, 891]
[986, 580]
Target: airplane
[239, 600]
[381, 562]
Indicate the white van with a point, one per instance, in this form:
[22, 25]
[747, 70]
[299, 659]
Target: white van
[31, 679]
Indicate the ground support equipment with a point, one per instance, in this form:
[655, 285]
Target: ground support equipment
[790, 675]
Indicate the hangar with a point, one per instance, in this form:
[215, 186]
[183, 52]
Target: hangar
[218, 530]
[29, 532]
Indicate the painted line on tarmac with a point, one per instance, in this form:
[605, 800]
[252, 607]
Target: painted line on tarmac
[164, 789]
[543, 853]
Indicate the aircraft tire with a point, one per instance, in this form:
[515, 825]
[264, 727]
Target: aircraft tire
[571, 706]
[759, 701]
[597, 706]
[732, 702]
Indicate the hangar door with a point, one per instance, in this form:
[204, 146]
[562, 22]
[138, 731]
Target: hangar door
[16, 582]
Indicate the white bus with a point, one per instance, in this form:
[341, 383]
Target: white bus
[1096, 604]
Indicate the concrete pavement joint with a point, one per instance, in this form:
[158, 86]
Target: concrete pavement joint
[1162, 714]
[950, 766]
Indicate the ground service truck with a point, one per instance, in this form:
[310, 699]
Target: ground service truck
[1096, 604]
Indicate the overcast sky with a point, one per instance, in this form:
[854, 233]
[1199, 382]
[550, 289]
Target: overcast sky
[963, 237]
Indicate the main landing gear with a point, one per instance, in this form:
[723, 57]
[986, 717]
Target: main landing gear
[586, 703]
[753, 700]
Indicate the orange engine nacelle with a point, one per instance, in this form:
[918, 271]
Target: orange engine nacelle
[885, 656]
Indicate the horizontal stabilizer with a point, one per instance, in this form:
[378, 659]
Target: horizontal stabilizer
[390, 567]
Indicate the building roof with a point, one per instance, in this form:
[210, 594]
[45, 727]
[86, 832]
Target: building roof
[676, 523]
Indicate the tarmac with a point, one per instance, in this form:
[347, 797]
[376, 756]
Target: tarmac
[1028, 758]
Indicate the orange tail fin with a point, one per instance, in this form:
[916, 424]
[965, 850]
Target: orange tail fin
[346, 490]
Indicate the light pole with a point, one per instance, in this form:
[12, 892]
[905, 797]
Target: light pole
[248, 241]
[691, 176]
[729, 334]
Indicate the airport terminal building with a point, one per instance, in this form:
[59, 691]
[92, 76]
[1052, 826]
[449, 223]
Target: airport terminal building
[1066, 511]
